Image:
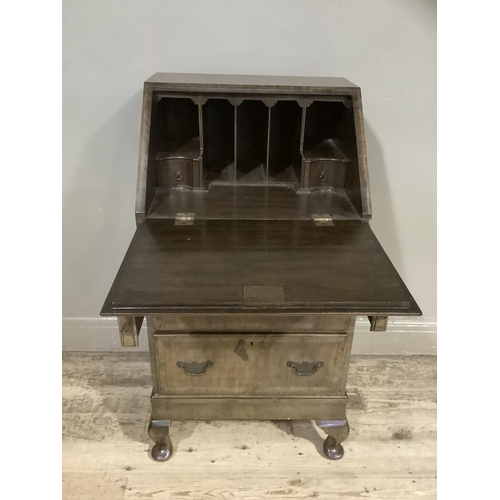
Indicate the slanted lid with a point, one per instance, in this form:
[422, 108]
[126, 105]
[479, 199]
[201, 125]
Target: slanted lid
[206, 266]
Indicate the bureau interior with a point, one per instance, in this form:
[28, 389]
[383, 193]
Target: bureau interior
[176, 123]
[199, 141]
[328, 133]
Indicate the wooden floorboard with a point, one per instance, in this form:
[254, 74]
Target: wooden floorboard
[390, 453]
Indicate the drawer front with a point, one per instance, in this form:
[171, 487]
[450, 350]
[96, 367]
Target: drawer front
[327, 173]
[176, 172]
[254, 323]
[285, 364]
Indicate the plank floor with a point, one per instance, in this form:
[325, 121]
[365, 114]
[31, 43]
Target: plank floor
[390, 453]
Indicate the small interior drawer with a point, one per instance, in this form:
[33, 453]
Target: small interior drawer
[175, 172]
[327, 173]
[211, 364]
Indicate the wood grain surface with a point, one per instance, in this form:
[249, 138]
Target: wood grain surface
[251, 203]
[204, 267]
[260, 369]
[390, 453]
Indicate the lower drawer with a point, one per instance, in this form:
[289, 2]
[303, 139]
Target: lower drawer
[272, 364]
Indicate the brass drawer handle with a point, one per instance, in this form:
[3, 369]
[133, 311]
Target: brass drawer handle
[178, 176]
[305, 368]
[195, 368]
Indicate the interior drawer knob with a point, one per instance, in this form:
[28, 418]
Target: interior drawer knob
[195, 368]
[305, 368]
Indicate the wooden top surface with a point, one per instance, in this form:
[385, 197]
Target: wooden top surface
[249, 83]
[205, 267]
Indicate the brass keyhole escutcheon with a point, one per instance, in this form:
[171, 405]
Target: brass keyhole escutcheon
[178, 176]
[322, 177]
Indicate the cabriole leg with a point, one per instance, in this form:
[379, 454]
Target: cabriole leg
[158, 431]
[337, 431]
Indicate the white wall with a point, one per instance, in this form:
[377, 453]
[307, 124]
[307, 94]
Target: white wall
[387, 47]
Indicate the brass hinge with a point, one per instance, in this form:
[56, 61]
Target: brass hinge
[184, 219]
[322, 219]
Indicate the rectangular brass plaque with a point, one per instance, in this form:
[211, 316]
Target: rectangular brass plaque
[264, 294]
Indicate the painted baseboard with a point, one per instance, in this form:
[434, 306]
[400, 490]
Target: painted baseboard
[404, 336]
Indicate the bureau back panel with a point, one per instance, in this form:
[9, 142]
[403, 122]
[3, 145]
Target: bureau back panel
[218, 118]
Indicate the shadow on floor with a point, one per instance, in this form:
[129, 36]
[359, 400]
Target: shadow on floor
[304, 429]
[112, 397]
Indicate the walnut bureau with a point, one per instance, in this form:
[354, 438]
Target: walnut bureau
[253, 252]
